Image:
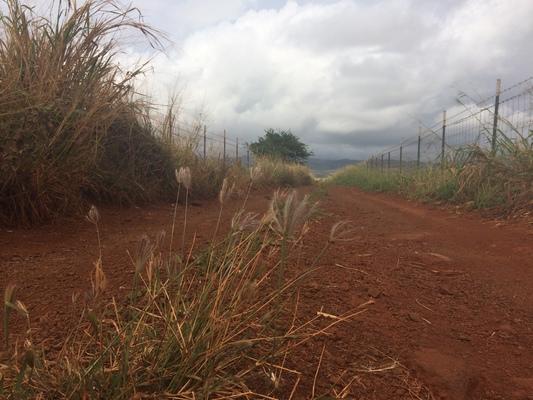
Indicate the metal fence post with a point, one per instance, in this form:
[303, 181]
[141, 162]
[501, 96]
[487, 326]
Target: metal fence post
[237, 150]
[401, 158]
[496, 110]
[382, 162]
[443, 145]
[224, 154]
[388, 161]
[418, 149]
[248, 156]
[205, 142]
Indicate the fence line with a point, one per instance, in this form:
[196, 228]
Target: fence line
[208, 144]
[506, 114]
[205, 143]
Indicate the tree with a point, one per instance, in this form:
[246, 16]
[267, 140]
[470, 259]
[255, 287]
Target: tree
[280, 144]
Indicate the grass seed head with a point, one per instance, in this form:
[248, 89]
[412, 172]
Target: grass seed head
[342, 231]
[144, 252]
[184, 177]
[225, 191]
[242, 221]
[287, 213]
[255, 173]
[93, 216]
[21, 308]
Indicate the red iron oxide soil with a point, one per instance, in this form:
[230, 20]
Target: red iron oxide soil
[451, 311]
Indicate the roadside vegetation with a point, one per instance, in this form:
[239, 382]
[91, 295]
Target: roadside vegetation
[221, 324]
[282, 174]
[73, 127]
[472, 176]
[74, 131]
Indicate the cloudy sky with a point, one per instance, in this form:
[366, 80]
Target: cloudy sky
[348, 76]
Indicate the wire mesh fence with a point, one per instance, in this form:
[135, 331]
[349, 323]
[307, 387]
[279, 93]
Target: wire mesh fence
[202, 141]
[508, 114]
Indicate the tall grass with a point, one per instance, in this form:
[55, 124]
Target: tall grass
[274, 172]
[191, 329]
[475, 176]
[503, 178]
[73, 129]
[69, 123]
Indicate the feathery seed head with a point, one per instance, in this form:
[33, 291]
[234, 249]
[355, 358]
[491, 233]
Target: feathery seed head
[225, 191]
[21, 308]
[342, 231]
[93, 216]
[186, 177]
[144, 252]
[287, 213]
[242, 221]
[255, 173]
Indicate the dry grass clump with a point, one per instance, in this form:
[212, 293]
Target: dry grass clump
[190, 329]
[73, 127]
[503, 179]
[69, 124]
[274, 172]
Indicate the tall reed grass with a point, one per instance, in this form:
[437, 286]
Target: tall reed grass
[70, 125]
[74, 129]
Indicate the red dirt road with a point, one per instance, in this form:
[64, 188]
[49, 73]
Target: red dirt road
[452, 316]
[452, 295]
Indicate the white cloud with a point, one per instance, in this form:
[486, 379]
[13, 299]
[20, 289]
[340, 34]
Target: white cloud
[344, 75]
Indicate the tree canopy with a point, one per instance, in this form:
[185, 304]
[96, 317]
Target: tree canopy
[281, 144]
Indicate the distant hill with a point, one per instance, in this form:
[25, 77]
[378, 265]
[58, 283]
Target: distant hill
[322, 167]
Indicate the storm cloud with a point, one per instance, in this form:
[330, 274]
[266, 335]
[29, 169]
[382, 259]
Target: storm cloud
[349, 77]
